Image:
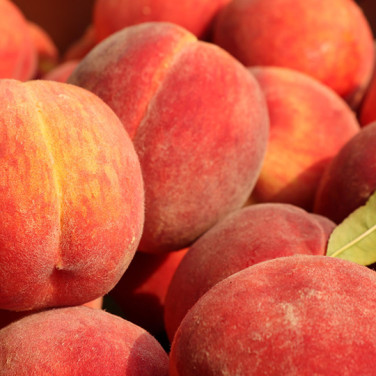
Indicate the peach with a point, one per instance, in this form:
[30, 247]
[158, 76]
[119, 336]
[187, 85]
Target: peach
[246, 237]
[307, 129]
[350, 178]
[79, 341]
[194, 15]
[300, 315]
[141, 292]
[62, 71]
[18, 57]
[198, 121]
[71, 196]
[328, 40]
[47, 52]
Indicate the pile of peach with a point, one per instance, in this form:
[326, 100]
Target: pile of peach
[169, 184]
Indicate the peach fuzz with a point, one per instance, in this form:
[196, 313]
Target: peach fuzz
[141, 292]
[71, 202]
[246, 237]
[79, 341]
[18, 57]
[299, 315]
[194, 15]
[198, 121]
[350, 178]
[307, 129]
[328, 40]
[47, 52]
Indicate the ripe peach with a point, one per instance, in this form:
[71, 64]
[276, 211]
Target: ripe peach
[71, 196]
[350, 178]
[141, 292]
[194, 15]
[300, 315]
[198, 121]
[18, 57]
[79, 341]
[328, 40]
[307, 129]
[246, 237]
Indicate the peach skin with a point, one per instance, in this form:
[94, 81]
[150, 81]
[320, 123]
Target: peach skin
[307, 129]
[197, 118]
[329, 40]
[71, 196]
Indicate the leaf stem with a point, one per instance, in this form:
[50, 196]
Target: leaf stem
[358, 239]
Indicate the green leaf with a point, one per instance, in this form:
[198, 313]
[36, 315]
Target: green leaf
[355, 238]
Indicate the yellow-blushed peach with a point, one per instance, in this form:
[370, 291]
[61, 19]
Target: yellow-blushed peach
[71, 196]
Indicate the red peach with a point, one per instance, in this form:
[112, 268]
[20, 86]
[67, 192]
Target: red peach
[71, 196]
[328, 40]
[79, 341]
[198, 121]
[246, 237]
[350, 178]
[300, 315]
[307, 129]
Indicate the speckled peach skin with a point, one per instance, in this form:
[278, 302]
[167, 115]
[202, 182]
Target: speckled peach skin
[79, 341]
[308, 126]
[71, 196]
[197, 118]
[328, 40]
[298, 315]
[246, 237]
